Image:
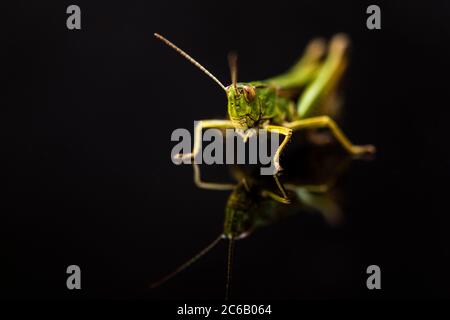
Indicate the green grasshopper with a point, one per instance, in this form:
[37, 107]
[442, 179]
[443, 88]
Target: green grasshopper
[284, 103]
[292, 101]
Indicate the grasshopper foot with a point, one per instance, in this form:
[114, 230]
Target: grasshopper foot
[182, 157]
[367, 149]
[286, 200]
[366, 152]
[278, 168]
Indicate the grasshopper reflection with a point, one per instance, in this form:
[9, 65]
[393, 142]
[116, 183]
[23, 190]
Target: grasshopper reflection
[256, 201]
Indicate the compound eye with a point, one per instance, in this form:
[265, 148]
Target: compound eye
[250, 93]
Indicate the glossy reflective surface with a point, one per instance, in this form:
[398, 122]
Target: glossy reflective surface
[86, 128]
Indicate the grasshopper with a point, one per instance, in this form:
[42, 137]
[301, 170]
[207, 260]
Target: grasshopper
[284, 103]
[295, 100]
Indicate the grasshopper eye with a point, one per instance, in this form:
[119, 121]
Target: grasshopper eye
[250, 93]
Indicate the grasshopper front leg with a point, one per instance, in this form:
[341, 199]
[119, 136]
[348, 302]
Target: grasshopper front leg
[287, 132]
[325, 121]
[209, 185]
[282, 199]
[204, 124]
[219, 124]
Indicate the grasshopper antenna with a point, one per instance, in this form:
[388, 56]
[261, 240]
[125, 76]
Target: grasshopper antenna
[229, 268]
[190, 59]
[186, 264]
[232, 63]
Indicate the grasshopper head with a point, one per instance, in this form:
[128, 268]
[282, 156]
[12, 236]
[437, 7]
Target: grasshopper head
[239, 213]
[243, 105]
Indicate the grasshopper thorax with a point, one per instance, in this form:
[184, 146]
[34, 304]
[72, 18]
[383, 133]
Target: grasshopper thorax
[243, 105]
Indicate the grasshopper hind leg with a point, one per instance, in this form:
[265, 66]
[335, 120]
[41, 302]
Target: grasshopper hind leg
[326, 78]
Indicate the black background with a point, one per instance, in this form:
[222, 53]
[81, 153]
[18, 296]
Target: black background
[87, 178]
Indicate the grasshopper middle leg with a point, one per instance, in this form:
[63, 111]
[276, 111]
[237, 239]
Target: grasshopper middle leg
[287, 132]
[325, 121]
